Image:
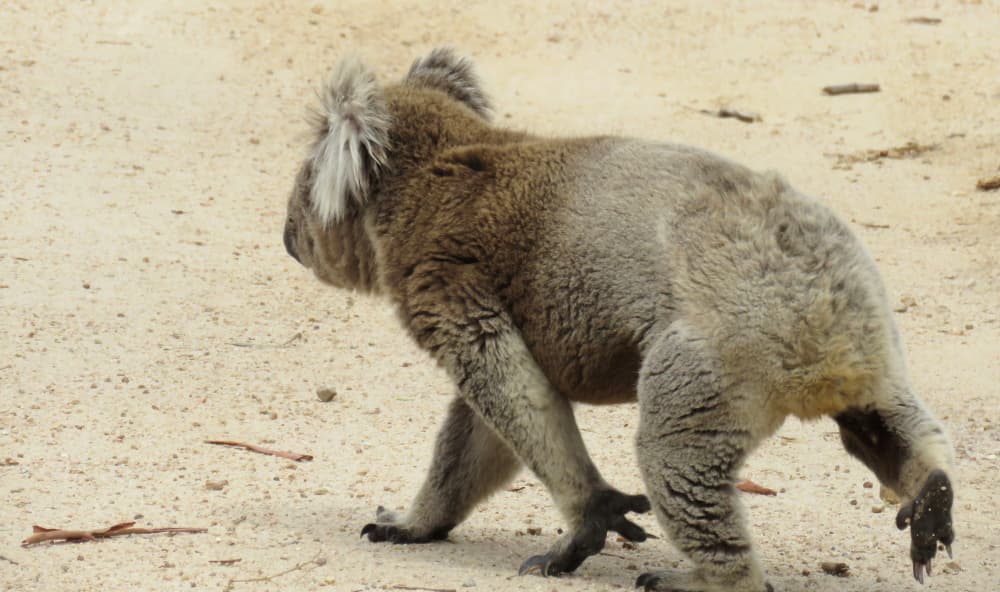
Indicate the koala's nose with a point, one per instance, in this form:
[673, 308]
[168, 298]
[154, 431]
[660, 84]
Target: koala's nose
[289, 238]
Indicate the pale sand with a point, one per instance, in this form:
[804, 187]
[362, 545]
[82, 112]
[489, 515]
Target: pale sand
[147, 151]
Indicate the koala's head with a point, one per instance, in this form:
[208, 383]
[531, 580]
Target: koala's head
[364, 136]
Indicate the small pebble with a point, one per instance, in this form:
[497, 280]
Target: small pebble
[216, 485]
[878, 509]
[326, 394]
[841, 570]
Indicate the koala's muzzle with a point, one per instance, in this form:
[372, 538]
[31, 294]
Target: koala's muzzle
[289, 238]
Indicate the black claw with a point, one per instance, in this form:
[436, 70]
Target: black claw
[647, 581]
[630, 530]
[370, 527]
[948, 549]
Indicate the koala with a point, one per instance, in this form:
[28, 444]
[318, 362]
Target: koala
[542, 272]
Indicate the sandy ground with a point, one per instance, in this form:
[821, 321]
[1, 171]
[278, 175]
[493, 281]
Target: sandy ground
[147, 304]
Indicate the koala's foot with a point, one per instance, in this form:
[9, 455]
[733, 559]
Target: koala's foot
[929, 519]
[605, 511]
[390, 527]
[679, 581]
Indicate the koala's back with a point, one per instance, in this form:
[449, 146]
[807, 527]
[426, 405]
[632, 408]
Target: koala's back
[624, 237]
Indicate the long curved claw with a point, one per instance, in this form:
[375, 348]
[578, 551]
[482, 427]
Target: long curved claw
[367, 528]
[918, 571]
[538, 563]
[948, 549]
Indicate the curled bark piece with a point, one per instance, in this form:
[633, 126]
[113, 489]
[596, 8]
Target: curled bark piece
[283, 454]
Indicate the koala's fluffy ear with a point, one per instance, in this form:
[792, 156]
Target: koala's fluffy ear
[352, 138]
[446, 71]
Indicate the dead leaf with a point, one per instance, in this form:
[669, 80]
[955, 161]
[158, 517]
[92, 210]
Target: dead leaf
[748, 486]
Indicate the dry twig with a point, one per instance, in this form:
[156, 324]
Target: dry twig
[848, 89]
[42, 534]
[907, 150]
[748, 486]
[225, 561]
[924, 20]
[870, 224]
[8, 560]
[744, 116]
[289, 455]
[288, 342]
[316, 561]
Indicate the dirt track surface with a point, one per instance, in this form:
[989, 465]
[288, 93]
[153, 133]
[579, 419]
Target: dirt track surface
[147, 303]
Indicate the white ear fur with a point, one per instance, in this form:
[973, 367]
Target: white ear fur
[352, 137]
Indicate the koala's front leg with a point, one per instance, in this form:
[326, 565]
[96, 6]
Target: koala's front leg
[501, 380]
[470, 462]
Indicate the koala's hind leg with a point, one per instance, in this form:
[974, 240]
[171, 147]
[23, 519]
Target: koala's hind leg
[908, 451]
[695, 431]
[470, 462]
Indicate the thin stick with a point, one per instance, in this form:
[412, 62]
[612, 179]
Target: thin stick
[871, 225]
[924, 20]
[846, 89]
[744, 116]
[288, 342]
[224, 561]
[317, 561]
[403, 587]
[43, 534]
[8, 560]
[289, 455]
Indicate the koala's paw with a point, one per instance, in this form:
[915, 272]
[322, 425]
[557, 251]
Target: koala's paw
[391, 528]
[604, 511]
[680, 581]
[929, 519]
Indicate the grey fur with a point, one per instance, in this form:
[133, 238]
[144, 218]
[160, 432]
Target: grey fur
[451, 73]
[602, 270]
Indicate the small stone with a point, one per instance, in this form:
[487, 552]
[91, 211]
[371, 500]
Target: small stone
[867, 485]
[326, 394]
[534, 530]
[952, 567]
[833, 568]
[878, 509]
[216, 485]
[888, 496]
